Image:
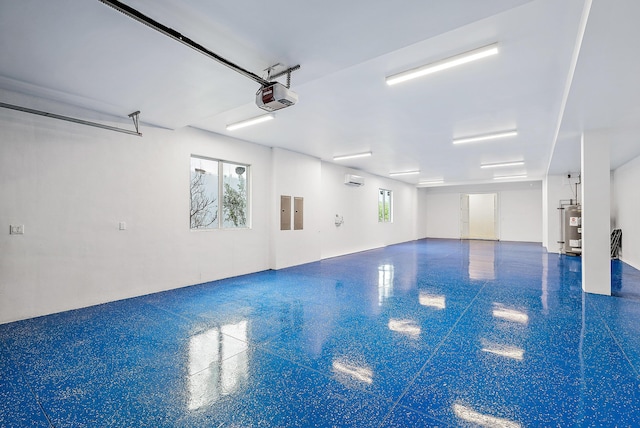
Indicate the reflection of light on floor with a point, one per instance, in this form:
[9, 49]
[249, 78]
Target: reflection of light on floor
[510, 314]
[503, 350]
[470, 415]
[408, 327]
[385, 283]
[233, 369]
[361, 374]
[432, 300]
[212, 373]
[481, 260]
[545, 284]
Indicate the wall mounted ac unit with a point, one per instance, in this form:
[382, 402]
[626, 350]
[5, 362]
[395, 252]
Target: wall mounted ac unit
[353, 180]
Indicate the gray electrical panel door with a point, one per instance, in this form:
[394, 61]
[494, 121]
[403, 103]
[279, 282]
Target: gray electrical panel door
[298, 208]
[285, 212]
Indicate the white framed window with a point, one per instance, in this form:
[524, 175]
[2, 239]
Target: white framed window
[385, 212]
[219, 194]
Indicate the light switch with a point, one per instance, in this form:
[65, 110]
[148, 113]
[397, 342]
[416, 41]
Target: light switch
[123, 225]
[16, 229]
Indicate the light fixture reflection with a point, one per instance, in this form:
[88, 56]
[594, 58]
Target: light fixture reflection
[470, 415]
[361, 374]
[354, 156]
[485, 137]
[444, 64]
[512, 352]
[432, 300]
[510, 314]
[408, 327]
[481, 260]
[250, 122]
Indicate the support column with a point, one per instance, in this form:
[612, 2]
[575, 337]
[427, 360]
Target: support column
[596, 227]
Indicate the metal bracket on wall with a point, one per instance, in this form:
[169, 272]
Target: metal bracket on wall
[133, 116]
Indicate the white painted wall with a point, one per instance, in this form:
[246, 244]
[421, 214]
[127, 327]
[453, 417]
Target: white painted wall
[443, 214]
[296, 175]
[421, 217]
[518, 204]
[520, 214]
[626, 206]
[358, 206]
[70, 185]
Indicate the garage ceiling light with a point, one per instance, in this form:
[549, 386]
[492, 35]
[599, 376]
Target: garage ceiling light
[508, 177]
[485, 137]
[353, 156]
[250, 122]
[395, 174]
[502, 164]
[444, 64]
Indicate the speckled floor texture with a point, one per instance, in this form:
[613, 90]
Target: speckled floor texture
[422, 334]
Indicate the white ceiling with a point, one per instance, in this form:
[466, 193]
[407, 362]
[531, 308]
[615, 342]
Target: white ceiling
[86, 54]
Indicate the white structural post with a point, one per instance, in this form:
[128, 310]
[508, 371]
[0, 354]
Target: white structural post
[596, 207]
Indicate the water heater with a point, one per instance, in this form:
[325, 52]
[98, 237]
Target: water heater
[573, 230]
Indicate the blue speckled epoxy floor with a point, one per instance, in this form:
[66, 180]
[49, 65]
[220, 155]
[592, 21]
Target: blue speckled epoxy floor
[427, 333]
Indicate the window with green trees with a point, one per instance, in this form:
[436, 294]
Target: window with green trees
[384, 206]
[219, 194]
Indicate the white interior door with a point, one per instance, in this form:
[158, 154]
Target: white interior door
[464, 216]
[482, 216]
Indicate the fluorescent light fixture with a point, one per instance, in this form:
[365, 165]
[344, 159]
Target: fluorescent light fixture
[508, 177]
[500, 165]
[249, 122]
[485, 137]
[444, 64]
[356, 155]
[395, 174]
[431, 182]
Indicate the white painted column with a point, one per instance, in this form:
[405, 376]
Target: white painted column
[596, 189]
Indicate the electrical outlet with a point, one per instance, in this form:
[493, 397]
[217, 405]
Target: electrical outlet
[16, 229]
[122, 225]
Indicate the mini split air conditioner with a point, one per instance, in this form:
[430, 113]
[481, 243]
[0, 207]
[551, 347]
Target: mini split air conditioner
[275, 96]
[353, 180]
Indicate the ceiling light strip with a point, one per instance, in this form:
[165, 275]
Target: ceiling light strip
[500, 165]
[444, 64]
[353, 156]
[395, 174]
[485, 137]
[249, 122]
[508, 177]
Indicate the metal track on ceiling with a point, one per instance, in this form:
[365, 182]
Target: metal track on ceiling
[140, 17]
